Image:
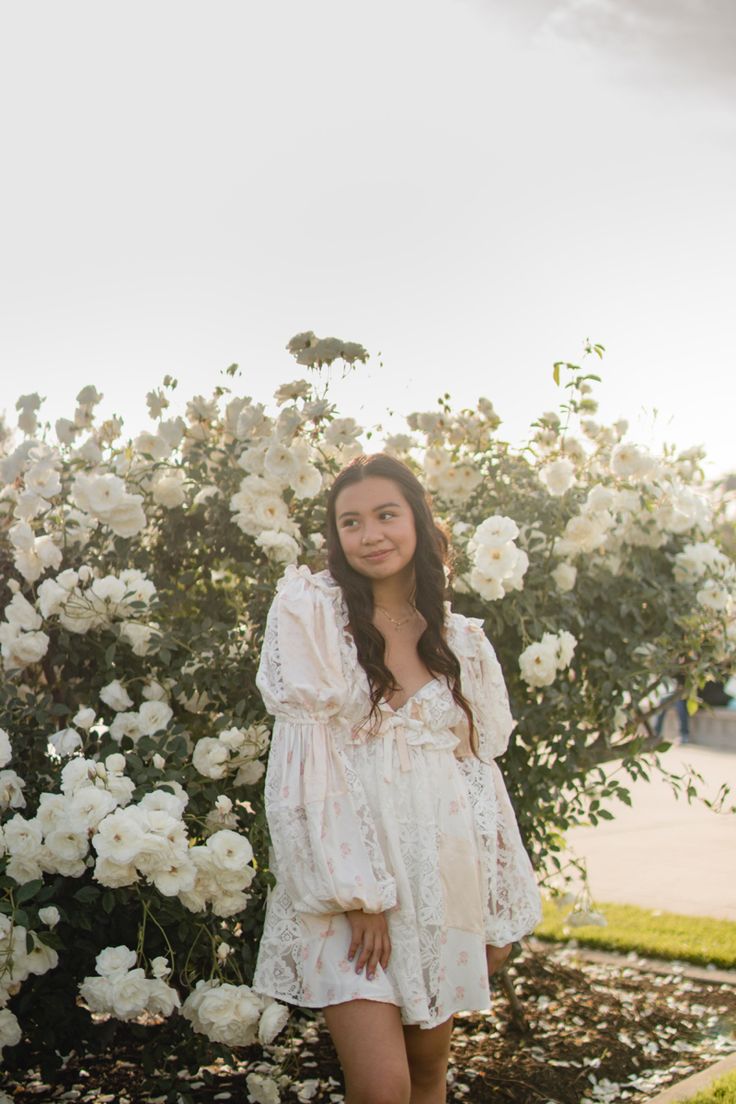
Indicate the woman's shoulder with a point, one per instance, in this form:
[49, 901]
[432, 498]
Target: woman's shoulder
[299, 583]
[464, 633]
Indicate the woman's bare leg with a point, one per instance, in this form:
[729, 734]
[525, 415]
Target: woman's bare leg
[370, 1044]
[428, 1052]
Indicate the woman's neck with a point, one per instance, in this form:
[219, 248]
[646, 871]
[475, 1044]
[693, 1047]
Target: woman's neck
[395, 593]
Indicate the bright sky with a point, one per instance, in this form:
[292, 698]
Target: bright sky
[467, 192]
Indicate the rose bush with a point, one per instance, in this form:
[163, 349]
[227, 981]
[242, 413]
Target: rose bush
[136, 578]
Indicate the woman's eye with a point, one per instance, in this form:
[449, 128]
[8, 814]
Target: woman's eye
[387, 514]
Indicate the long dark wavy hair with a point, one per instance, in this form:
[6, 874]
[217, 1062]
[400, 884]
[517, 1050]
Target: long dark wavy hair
[430, 558]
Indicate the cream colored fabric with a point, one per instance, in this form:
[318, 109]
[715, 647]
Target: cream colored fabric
[403, 821]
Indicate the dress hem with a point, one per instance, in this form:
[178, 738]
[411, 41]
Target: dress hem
[424, 1024]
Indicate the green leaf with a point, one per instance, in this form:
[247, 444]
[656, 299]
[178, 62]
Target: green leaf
[28, 891]
[87, 894]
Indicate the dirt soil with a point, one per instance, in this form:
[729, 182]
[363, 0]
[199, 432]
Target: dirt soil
[594, 1033]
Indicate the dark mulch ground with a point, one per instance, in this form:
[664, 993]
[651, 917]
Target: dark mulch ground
[596, 1033]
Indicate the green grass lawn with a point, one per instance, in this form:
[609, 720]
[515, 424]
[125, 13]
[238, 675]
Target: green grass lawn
[648, 932]
[722, 1091]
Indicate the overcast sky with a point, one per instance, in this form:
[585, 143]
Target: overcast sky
[468, 187]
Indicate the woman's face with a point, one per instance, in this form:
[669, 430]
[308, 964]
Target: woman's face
[376, 527]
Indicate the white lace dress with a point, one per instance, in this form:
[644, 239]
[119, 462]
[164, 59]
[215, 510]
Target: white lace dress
[403, 821]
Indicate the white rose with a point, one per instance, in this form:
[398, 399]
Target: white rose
[210, 757]
[20, 612]
[126, 724]
[96, 992]
[487, 587]
[89, 805]
[273, 1020]
[66, 843]
[119, 837]
[116, 696]
[113, 874]
[6, 750]
[154, 716]
[10, 1032]
[600, 498]
[162, 998]
[558, 477]
[43, 479]
[631, 462]
[49, 916]
[306, 482]
[249, 773]
[48, 551]
[564, 576]
[566, 644]
[279, 547]
[160, 967]
[21, 536]
[11, 790]
[152, 445]
[29, 565]
[127, 519]
[230, 851]
[84, 718]
[129, 995]
[168, 490]
[538, 664]
[51, 597]
[26, 648]
[66, 741]
[113, 961]
[495, 561]
[496, 531]
[138, 636]
[712, 595]
[97, 494]
[262, 1089]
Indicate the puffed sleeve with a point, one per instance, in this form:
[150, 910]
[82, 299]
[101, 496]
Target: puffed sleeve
[325, 846]
[513, 905]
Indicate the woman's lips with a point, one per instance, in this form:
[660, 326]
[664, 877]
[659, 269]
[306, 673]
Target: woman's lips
[375, 556]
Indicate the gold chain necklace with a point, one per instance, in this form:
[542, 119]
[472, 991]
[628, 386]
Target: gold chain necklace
[394, 621]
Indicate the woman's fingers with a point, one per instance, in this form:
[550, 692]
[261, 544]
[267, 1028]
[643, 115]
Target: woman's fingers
[369, 943]
[366, 950]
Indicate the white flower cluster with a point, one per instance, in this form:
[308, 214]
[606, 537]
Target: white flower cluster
[122, 990]
[540, 661]
[315, 351]
[17, 963]
[447, 478]
[83, 601]
[21, 640]
[105, 498]
[259, 509]
[468, 428]
[558, 476]
[233, 1014]
[498, 564]
[56, 839]
[234, 749]
[11, 784]
[33, 555]
[703, 565]
[151, 716]
[150, 839]
[630, 461]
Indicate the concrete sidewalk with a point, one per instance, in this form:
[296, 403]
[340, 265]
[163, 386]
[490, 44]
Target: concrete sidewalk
[663, 853]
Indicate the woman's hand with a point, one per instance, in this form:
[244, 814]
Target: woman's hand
[496, 956]
[369, 940]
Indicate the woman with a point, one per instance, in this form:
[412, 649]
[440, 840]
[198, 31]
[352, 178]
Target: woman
[401, 879]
